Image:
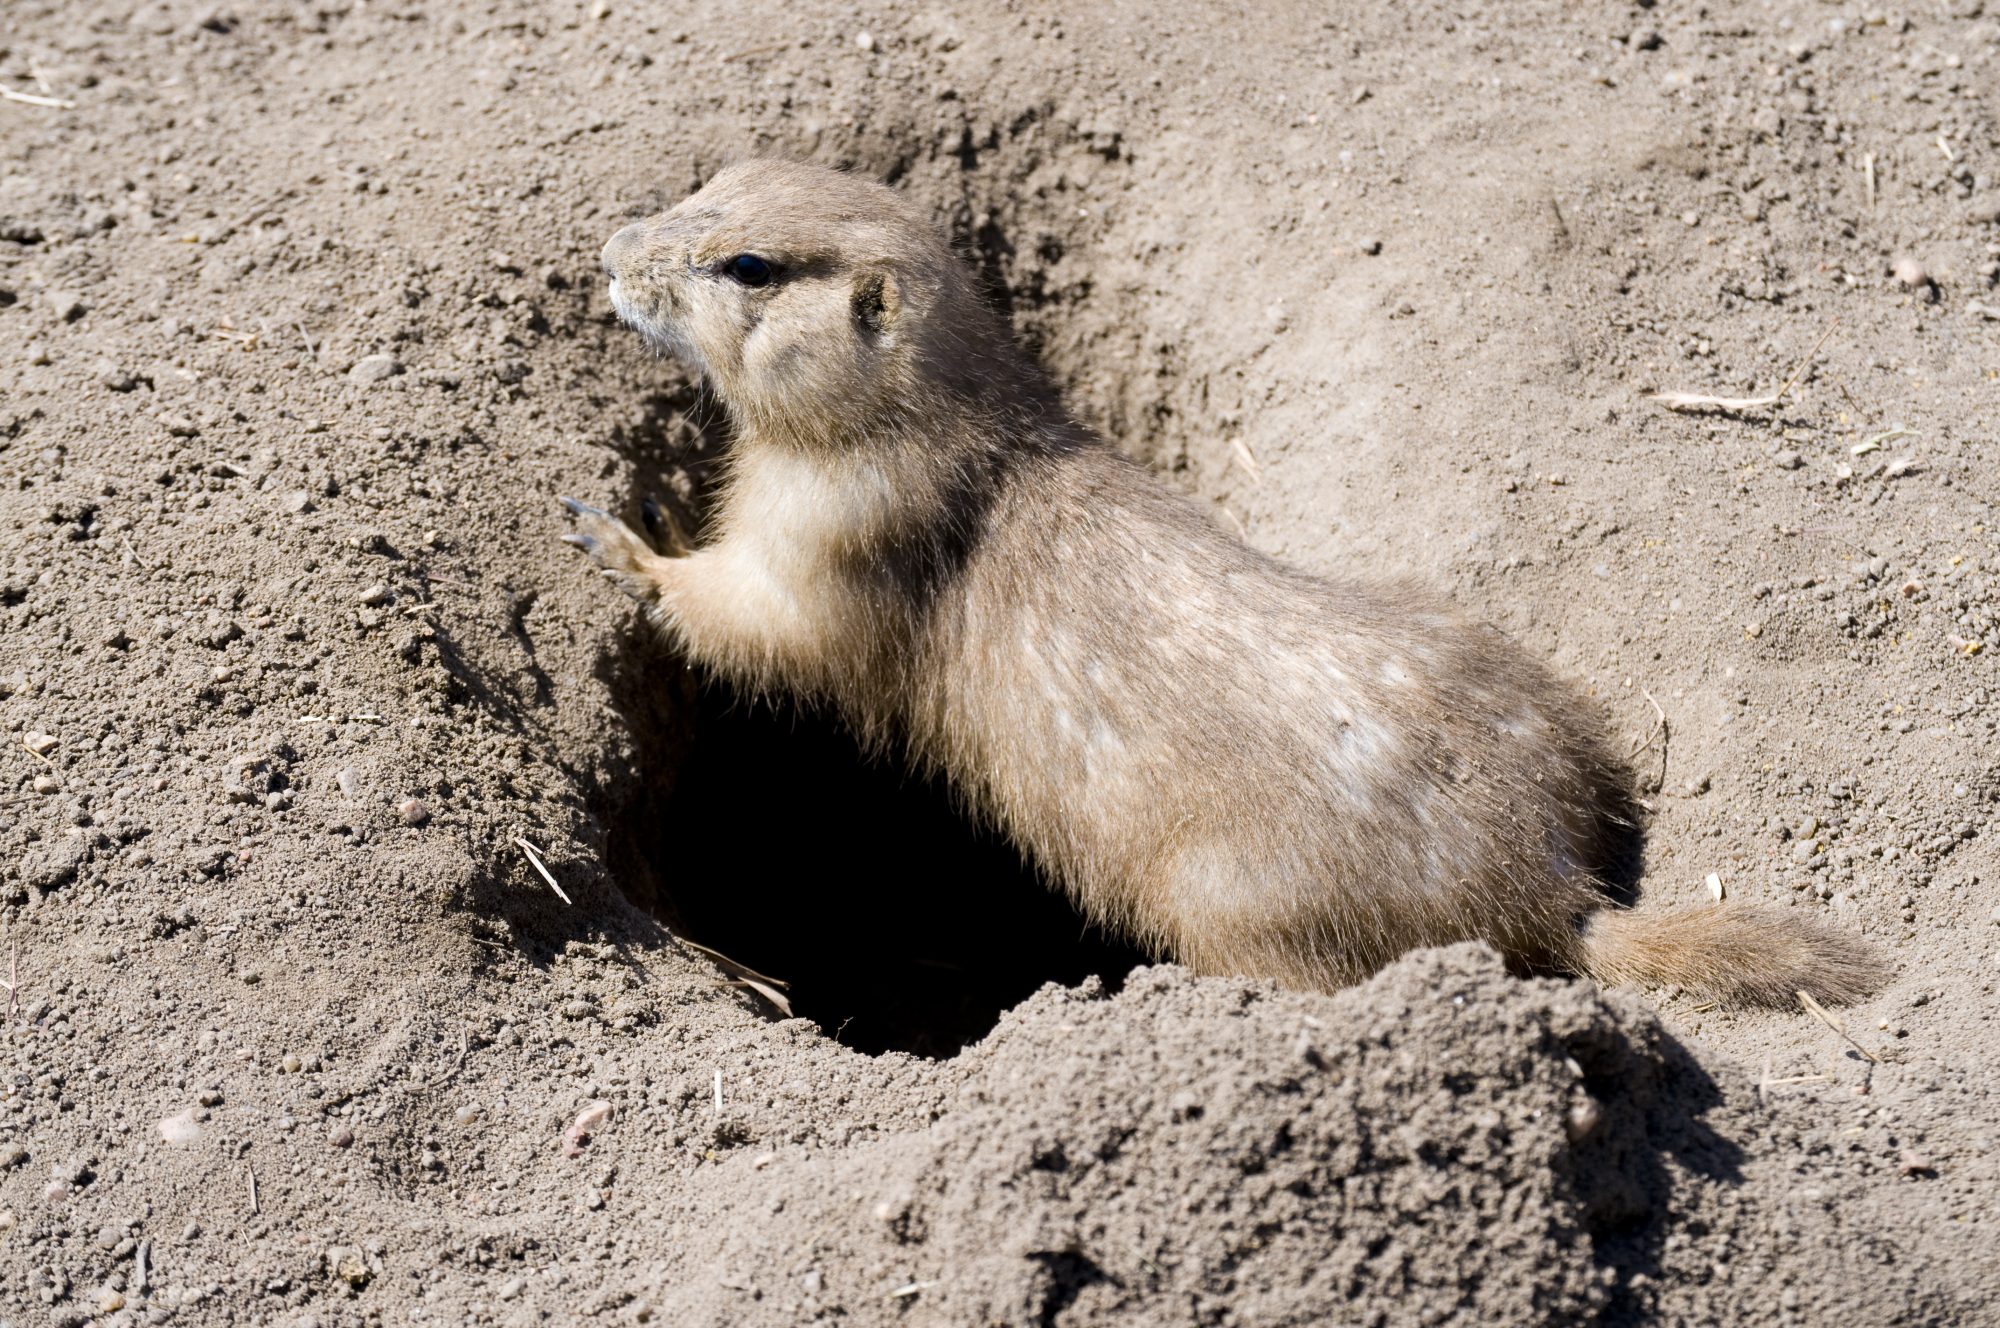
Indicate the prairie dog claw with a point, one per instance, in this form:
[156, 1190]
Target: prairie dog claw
[619, 551]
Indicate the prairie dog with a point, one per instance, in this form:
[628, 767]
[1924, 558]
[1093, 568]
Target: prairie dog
[1251, 770]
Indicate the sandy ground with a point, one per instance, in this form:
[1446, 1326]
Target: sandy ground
[301, 331]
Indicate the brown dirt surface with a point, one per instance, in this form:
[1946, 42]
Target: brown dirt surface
[302, 332]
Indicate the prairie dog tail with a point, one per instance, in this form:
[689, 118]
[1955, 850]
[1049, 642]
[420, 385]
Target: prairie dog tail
[1737, 954]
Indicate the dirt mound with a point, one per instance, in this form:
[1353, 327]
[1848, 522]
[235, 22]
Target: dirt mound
[305, 334]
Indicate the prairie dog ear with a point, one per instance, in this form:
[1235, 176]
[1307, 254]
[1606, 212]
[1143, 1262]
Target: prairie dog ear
[878, 301]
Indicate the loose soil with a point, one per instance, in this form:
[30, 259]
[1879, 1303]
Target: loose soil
[301, 334]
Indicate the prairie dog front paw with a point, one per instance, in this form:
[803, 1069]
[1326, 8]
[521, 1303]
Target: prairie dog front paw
[624, 557]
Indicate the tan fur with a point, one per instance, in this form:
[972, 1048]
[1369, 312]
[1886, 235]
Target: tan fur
[1247, 768]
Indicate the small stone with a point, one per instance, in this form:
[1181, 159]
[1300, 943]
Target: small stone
[865, 40]
[66, 306]
[1370, 246]
[587, 1123]
[1787, 459]
[46, 784]
[342, 1137]
[109, 1300]
[180, 1128]
[376, 594]
[372, 369]
[350, 783]
[291, 1064]
[1581, 1119]
[1911, 273]
[1803, 850]
[511, 1288]
[1753, 630]
[413, 811]
[109, 375]
[346, 1263]
[41, 744]
[296, 503]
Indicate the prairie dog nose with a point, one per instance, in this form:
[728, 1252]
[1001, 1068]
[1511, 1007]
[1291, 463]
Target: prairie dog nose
[620, 248]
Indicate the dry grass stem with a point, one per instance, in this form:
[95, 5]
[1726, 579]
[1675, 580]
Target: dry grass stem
[770, 988]
[535, 861]
[13, 980]
[1658, 731]
[1246, 459]
[1819, 1012]
[1700, 401]
[30, 99]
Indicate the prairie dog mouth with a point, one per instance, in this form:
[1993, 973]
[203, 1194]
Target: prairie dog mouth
[658, 333]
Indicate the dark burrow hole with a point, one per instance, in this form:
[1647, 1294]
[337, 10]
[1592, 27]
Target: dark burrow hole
[761, 830]
[898, 924]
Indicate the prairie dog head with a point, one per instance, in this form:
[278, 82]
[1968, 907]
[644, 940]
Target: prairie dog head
[815, 303]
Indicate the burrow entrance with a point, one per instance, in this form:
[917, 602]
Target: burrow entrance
[899, 925]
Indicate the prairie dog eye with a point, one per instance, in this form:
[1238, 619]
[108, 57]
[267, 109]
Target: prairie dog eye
[748, 270]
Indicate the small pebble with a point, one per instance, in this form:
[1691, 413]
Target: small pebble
[376, 594]
[342, 1137]
[297, 502]
[413, 811]
[46, 784]
[1911, 273]
[371, 369]
[1371, 246]
[1787, 459]
[180, 1128]
[865, 40]
[41, 744]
